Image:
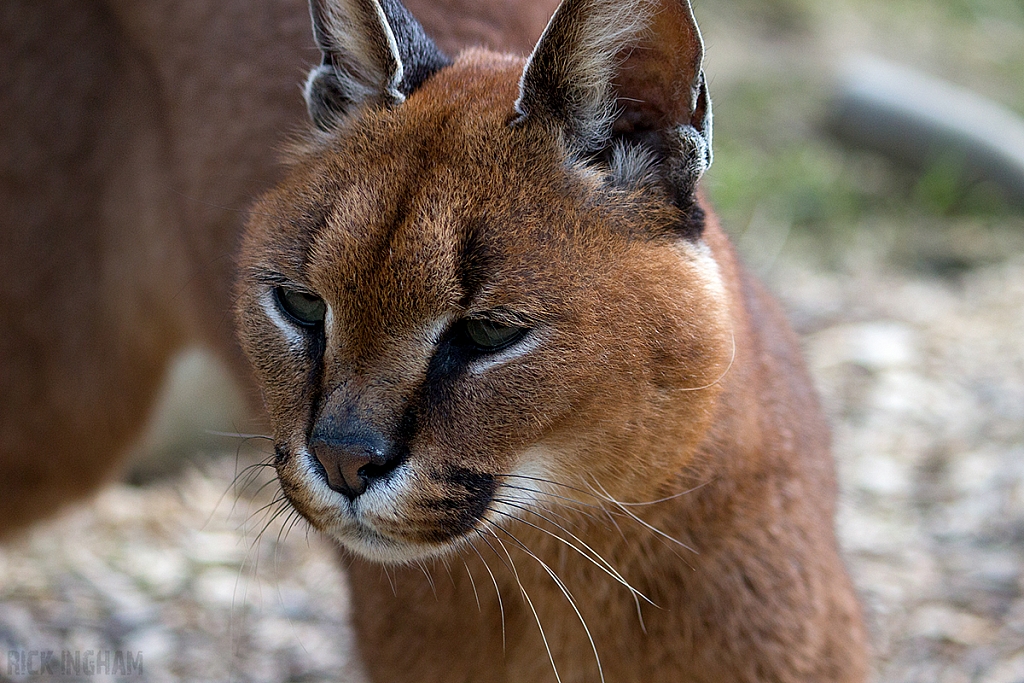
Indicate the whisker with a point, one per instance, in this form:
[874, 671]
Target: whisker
[533, 609]
[497, 591]
[565, 591]
[610, 514]
[531, 489]
[549, 481]
[293, 521]
[266, 510]
[599, 562]
[247, 476]
[253, 470]
[238, 435]
[591, 493]
[254, 549]
[725, 372]
[645, 524]
[277, 513]
[276, 500]
[242, 481]
[267, 460]
[666, 498]
[472, 582]
[448, 570]
[547, 509]
[430, 579]
[636, 600]
[284, 525]
[384, 570]
[263, 486]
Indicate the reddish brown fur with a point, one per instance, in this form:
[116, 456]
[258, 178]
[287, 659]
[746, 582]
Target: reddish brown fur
[649, 382]
[763, 595]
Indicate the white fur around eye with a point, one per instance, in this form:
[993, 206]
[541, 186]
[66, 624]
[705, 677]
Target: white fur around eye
[432, 332]
[518, 349]
[296, 340]
[329, 322]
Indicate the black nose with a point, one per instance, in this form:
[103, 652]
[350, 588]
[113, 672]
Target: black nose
[351, 456]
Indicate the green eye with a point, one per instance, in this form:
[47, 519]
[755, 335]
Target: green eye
[491, 336]
[304, 308]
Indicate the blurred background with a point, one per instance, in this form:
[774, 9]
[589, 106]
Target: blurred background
[775, 70]
[901, 267]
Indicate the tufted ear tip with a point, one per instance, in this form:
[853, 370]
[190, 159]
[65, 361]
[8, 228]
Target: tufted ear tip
[373, 51]
[622, 81]
[697, 133]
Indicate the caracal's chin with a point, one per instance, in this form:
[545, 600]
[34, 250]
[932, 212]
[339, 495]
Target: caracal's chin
[372, 545]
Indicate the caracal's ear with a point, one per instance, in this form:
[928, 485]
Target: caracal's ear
[373, 51]
[621, 81]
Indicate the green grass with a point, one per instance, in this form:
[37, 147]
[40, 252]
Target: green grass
[774, 157]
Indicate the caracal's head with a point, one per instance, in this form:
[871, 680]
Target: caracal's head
[482, 287]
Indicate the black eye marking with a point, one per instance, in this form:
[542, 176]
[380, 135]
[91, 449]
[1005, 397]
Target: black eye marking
[488, 336]
[465, 341]
[303, 308]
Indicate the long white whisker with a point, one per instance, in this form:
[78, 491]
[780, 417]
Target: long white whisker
[724, 372]
[611, 571]
[531, 489]
[472, 582]
[237, 435]
[384, 570]
[533, 609]
[448, 570]
[565, 591]
[566, 519]
[592, 493]
[430, 579]
[643, 523]
[550, 481]
[497, 591]
[666, 498]
[597, 560]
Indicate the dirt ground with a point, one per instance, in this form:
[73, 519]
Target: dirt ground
[913, 324]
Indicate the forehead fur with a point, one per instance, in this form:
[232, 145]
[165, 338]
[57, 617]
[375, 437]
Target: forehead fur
[413, 211]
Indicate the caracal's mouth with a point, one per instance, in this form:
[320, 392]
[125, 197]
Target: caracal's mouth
[412, 514]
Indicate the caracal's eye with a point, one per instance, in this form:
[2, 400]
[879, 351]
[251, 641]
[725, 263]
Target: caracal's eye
[491, 336]
[304, 308]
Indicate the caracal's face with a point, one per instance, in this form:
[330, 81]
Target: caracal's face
[496, 334]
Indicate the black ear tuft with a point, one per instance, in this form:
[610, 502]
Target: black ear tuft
[373, 50]
[621, 82]
[420, 56]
